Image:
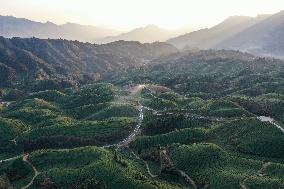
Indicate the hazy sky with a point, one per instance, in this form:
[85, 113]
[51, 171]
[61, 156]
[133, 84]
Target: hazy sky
[127, 14]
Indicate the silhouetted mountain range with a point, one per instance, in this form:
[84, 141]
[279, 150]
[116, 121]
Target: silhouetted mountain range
[20, 27]
[148, 34]
[262, 35]
[263, 38]
[209, 37]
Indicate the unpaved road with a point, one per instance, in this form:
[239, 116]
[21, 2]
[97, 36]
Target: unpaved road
[9, 159]
[259, 173]
[36, 173]
[146, 164]
[125, 142]
[16, 144]
[137, 90]
[133, 92]
[136, 130]
[270, 120]
[187, 178]
[243, 185]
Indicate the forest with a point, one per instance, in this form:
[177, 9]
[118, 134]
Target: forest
[178, 120]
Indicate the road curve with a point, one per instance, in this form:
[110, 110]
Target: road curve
[36, 173]
[270, 120]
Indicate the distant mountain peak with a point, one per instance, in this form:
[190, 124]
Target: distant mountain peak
[209, 38]
[147, 34]
[50, 23]
[22, 27]
[261, 35]
[151, 26]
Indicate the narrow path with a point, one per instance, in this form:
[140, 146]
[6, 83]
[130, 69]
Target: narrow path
[125, 142]
[155, 112]
[135, 132]
[36, 173]
[146, 164]
[243, 185]
[9, 159]
[182, 173]
[261, 172]
[133, 92]
[187, 178]
[16, 144]
[137, 90]
[14, 141]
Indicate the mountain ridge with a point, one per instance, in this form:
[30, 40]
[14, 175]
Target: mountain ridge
[261, 36]
[33, 58]
[147, 34]
[208, 37]
[11, 26]
[263, 39]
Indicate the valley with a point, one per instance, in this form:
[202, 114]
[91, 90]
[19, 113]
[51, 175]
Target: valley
[142, 94]
[152, 127]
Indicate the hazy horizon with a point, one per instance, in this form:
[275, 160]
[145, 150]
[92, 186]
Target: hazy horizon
[129, 14]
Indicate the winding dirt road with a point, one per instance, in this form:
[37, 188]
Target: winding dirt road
[36, 173]
[259, 173]
[16, 144]
[243, 185]
[186, 177]
[130, 138]
[9, 159]
[146, 164]
[270, 120]
[125, 142]
[137, 90]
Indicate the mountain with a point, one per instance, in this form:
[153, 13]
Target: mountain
[209, 119]
[261, 36]
[148, 34]
[213, 72]
[40, 59]
[20, 27]
[209, 37]
[264, 38]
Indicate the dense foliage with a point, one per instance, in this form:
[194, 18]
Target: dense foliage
[198, 126]
[41, 64]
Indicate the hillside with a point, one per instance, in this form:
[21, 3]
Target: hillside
[19, 27]
[23, 60]
[210, 73]
[210, 37]
[264, 38]
[105, 136]
[261, 36]
[206, 119]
